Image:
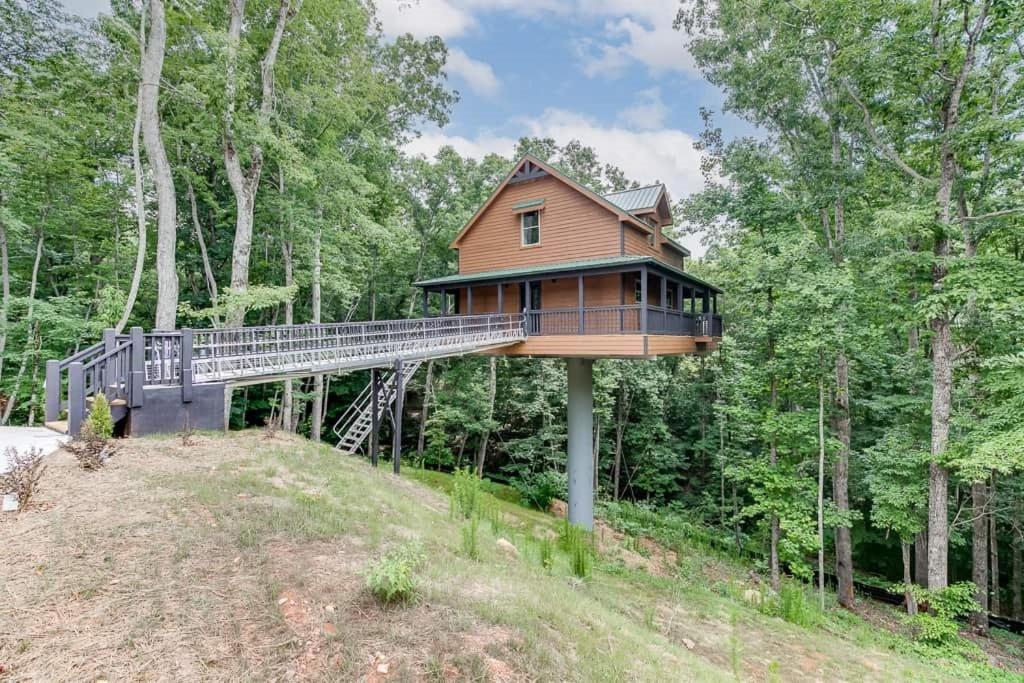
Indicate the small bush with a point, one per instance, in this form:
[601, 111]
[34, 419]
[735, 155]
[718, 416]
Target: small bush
[540, 488]
[391, 579]
[575, 541]
[794, 606]
[939, 625]
[90, 449]
[466, 493]
[546, 553]
[22, 477]
[100, 420]
[470, 544]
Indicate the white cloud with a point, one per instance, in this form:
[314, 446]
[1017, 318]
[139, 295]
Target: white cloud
[661, 154]
[635, 32]
[479, 76]
[648, 113]
[423, 18]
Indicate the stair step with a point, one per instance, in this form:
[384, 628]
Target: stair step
[59, 426]
[113, 403]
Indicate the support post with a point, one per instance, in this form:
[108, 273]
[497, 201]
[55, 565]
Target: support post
[186, 365]
[643, 300]
[426, 304]
[76, 398]
[396, 444]
[53, 390]
[374, 416]
[444, 302]
[581, 441]
[138, 372]
[663, 303]
[469, 300]
[579, 302]
[501, 297]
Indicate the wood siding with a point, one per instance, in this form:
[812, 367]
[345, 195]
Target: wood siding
[605, 346]
[572, 227]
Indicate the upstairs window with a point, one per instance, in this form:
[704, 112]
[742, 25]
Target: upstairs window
[531, 227]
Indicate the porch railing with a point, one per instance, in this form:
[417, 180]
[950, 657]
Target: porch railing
[625, 319]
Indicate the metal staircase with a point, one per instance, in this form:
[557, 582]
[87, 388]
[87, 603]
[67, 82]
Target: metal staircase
[356, 423]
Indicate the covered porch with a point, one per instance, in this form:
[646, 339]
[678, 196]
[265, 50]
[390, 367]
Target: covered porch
[630, 295]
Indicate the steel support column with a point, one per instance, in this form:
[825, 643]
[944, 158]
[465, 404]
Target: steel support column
[374, 416]
[396, 444]
[581, 441]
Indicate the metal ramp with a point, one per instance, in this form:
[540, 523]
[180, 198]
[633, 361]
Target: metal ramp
[356, 423]
[126, 366]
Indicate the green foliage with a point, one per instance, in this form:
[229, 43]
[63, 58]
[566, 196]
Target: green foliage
[466, 493]
[100, 422]
[538, 489]
[794, 605]
[392, 578]
[938, 626]
[546, 553]
[577, 543]
[470, 541]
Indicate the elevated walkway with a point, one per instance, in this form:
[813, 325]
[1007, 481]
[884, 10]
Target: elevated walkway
[170, 371]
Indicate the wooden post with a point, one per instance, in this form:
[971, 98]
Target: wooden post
[705, 303]
[426, 304]
[76, 398]
[663, 302]
[138, 372]
[501, 297]
[53, 390]
[444, 302]
[579, 302]
[693, 300]
[374, 416]
[469, 300]
[186, 365]
[396, 443]
[643, 300]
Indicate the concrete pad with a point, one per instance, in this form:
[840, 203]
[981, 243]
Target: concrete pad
[24, 438]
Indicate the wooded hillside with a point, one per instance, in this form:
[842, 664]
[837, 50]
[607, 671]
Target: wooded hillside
[214, 162]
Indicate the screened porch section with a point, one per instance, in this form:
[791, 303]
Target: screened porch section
[627, 295]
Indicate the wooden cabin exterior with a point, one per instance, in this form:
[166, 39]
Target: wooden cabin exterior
[596, 276]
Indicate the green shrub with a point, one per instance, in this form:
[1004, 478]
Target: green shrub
[546, 553]
[576, 542]
[939, 625]
[466, 493]
[391, 578]
[540, 488]
[470, 544]
[100, 421]
[794, 606]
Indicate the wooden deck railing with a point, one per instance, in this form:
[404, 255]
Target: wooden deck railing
[625, 319]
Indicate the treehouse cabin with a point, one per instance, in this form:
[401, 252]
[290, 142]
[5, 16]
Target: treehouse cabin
[596, 275]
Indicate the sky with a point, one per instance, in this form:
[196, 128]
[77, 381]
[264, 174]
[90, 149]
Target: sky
[613, 74]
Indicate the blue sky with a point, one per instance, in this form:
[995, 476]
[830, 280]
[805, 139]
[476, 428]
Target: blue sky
[612, 73]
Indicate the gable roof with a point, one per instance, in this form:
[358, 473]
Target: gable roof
[638, 198]
[531, 161]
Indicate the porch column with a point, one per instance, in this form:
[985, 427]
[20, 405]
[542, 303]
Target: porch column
[580, 464]
[643, 300]
[501, 297]
[663, 302]
[693, 300]
[705, 303]
[444, 302]
[579, 302]
[396, 443]
[679, 296]
[426, 303]
[469, 300]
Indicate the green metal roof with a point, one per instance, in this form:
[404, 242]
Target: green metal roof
[639, 198]
[563, 267]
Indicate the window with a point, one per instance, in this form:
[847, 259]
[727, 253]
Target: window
[531, 228]
[637, 290]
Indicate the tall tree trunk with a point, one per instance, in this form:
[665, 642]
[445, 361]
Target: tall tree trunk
[140, 199]
[29, 343]
[245, 182]
[491, 392]
[428, 389]
[34, 382]
[163, 181]
[316, 421]
[908, 595]
[287, 402]
[821, 492]
[979, 554]
[1017, 574]
[993, 542]
[773, 452]
[841, 482]
[621, 415]
[211, 281]
[5, 304]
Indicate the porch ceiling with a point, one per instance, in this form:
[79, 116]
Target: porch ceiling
[602, 265]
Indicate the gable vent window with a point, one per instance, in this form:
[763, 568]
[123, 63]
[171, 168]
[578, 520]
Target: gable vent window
[531, 227]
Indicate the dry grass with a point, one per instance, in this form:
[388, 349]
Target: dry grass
[242, 558]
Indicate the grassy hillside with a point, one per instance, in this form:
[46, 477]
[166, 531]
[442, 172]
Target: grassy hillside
[244, 557]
